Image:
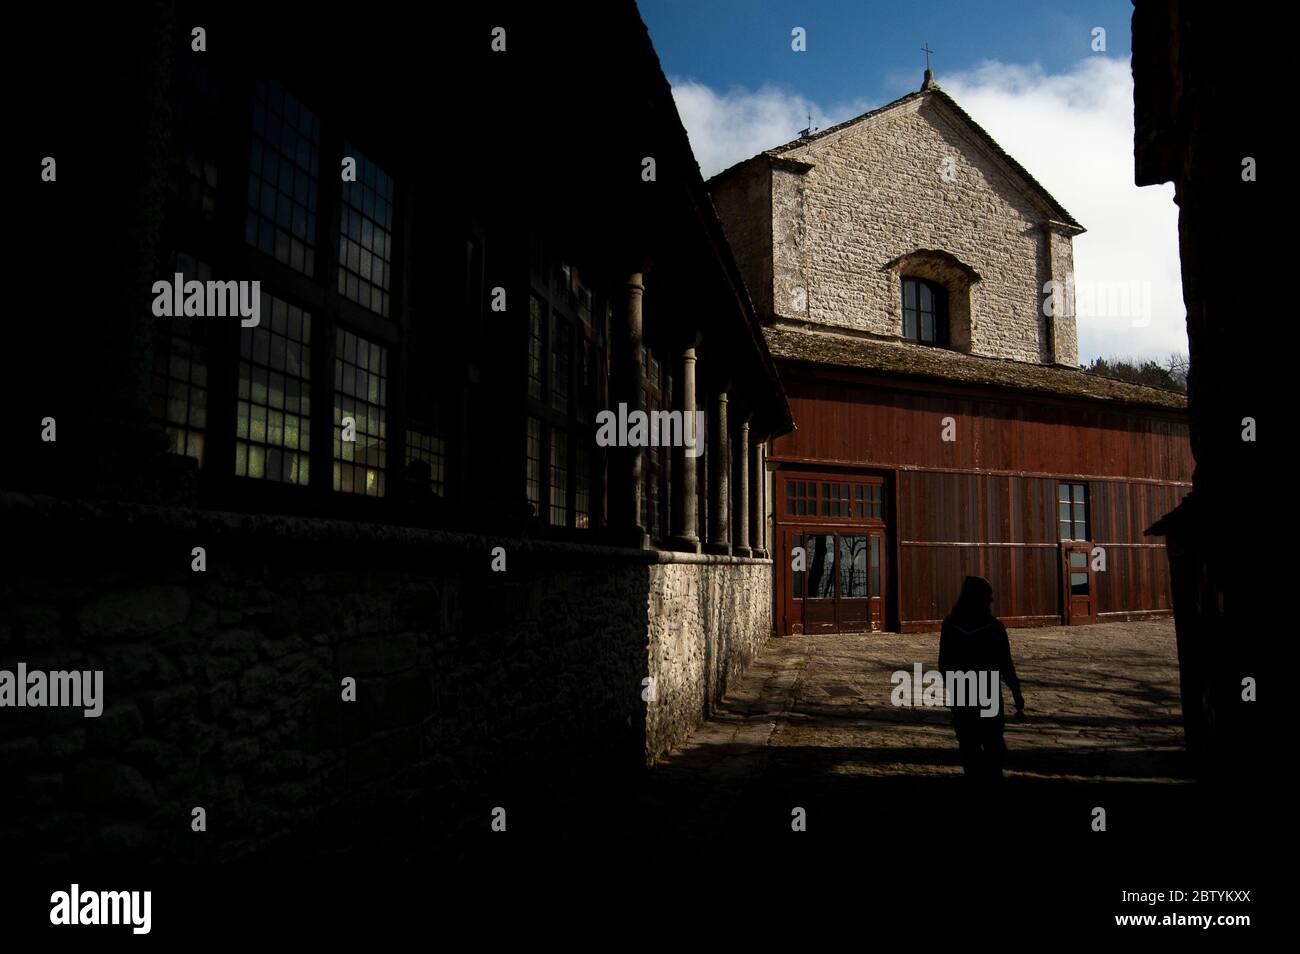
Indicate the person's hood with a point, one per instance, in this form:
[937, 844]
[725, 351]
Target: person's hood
[968, 632]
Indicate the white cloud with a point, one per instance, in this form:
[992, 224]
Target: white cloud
[1073, 131]
[728, 127]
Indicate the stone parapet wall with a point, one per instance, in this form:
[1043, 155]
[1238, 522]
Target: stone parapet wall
[707, 623]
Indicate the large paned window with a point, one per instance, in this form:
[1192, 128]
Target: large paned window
[283, 167]
[179, 397]
[266, 371]
[533, 462]
[559, 477]
[366, 236]
[565, 382]
[273, 413]
[536, 337]
[360, 393]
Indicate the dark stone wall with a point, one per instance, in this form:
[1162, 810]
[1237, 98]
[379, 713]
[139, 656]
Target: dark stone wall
[222, 688]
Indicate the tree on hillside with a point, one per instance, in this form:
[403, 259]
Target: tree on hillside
[1170, 374]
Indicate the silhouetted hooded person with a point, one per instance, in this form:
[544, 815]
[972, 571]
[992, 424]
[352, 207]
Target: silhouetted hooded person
[973, 640]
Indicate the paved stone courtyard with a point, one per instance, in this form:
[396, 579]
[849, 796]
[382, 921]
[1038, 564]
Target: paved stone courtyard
[813, 714]
[1101, 701]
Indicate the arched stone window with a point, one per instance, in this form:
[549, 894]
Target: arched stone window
[934, 298]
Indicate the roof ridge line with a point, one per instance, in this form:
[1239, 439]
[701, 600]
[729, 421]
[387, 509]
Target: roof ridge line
[934, 89]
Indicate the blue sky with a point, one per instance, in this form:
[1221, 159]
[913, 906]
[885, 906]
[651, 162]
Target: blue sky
[1026, 72]
[870, 50]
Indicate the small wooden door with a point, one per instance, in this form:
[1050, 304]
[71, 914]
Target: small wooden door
[876, 578]
[791, 556]
[1078, 583]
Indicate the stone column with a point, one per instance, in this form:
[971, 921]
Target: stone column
[626, 480]
[757, 501]
[686, 484]
[719, 477]
[741, 546]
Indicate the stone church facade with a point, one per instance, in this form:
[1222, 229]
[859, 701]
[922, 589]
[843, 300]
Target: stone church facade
[899, 262]
[912, 188]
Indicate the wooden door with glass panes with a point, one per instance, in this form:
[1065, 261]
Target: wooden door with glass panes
[1078, 583]
[831, 572]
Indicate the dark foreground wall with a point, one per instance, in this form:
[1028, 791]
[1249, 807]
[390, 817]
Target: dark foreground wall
[223, 688]
[1200, 123]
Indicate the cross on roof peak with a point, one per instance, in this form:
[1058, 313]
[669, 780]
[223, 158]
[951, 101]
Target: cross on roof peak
[928, 82]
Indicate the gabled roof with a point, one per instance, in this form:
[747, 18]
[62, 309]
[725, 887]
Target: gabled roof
[776, 154]
[906, 359]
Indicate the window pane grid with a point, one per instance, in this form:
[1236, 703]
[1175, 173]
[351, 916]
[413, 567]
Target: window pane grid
[853, 567]
[819, 553]
[366, 236]
[421, 446]
[559, 475]
[536, 315]
[560, 344]
[875, 565]
[924, 305]
[273, 409]
[586, 377]
[801, 498]
[283, 165]
[564, 381]
[834, 500]
[179, 393]
[360, 392]
[533, 462]
[582, 487]
[1072, 511]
